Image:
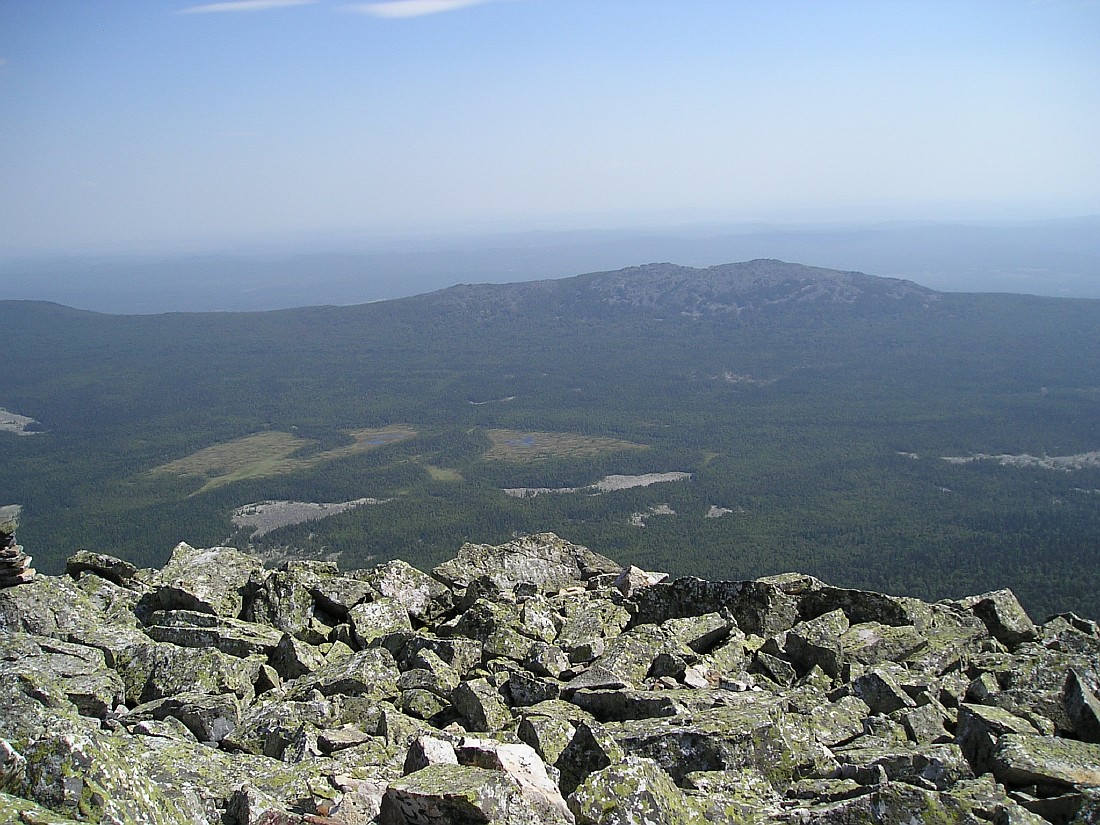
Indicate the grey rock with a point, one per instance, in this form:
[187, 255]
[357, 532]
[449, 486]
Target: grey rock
[598, 677]
[881, 693]
[632, 792]
[281, 599]
[621, 705]
[496, 625]
[455, 794]
[1082, 705]
[523, 766]
[76, 672]
[463, 655]
[544, 560]
[855, 706]
[1022, 759]
[155, 670]
[337, 595]
[209, 717]
[871, 643]
[864, 606]
[590, 749]
[926, 724]
[106, 567]
[525, 689]
[632, 579]
[760, 607]
[60, 609]
[370, 673]
[189, 628]
[1004, 616]
[937, 767]
[267, 729]
[547, 728]
[212, 580]
[372, 620]
[428, 750]
[481, 705]
[292, 658]
[422, 596]
[817, 642]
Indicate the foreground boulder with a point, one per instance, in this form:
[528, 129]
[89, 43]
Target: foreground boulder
[535, 682]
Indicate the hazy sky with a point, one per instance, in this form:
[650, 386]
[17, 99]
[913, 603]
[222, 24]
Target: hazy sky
[142, 123]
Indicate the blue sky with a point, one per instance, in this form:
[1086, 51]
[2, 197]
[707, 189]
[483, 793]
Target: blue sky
[142, 124]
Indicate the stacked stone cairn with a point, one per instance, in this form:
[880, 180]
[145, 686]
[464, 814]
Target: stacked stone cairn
[15, 565]
[534, 682]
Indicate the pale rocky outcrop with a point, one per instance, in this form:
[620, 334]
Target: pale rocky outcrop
[535, 682]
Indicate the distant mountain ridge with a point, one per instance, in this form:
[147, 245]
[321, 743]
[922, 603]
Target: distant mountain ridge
[734, 288]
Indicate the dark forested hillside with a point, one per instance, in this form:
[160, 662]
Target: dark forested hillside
[866, 430]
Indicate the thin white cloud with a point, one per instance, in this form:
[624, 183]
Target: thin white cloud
[243, 5]
[412, 8]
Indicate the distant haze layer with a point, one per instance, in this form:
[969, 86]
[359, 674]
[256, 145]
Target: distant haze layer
[1056, 258]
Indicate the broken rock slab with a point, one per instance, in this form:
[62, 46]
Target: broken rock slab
[213, 580]
[459, 794]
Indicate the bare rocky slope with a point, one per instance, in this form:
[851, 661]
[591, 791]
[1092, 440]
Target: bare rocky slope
[534, 682]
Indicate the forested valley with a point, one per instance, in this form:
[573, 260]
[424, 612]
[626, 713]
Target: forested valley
[867, 431]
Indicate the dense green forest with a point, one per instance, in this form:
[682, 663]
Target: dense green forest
[813, 410]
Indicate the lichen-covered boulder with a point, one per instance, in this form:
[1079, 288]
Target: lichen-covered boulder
[372, 620]
[422, 596]
[456, 794]
[91, 778]
[154, 670]
[210, 717]
[113, 569]
[632, 792]
[481, 705]
[461, 654]
[58, 668]
[589, 621]
[544, 560]
[871, 643]
[760, 607]
[266, 729]
[370, 673]
[879, 689]
[754, 733]
[1004, 616]
[496, 625]
[1022, 759]
[523, 766]
[15, 809]
[190, 628]
[212, 580]
[59, 608]
[1082, 704]
[591, 748]
[935, 766]
[817, 642]
[547, 727]
[281, 598]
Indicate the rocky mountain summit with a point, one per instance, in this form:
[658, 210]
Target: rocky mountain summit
[534, 682]
[735, 290]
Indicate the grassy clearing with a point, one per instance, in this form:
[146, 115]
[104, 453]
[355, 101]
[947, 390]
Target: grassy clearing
[442, 473]
[521, 447]
[271, 453]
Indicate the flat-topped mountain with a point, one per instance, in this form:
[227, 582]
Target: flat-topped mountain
[738, 289]
[757, 417]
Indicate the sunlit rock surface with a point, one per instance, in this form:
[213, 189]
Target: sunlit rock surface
[535, 682]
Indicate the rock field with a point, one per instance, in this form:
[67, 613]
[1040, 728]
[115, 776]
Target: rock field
[534, 682]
